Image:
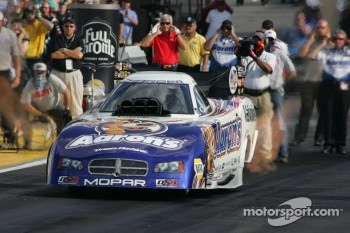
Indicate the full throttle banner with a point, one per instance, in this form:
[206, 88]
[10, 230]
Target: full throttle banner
[98, 27]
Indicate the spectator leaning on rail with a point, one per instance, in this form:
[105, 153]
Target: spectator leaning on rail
[259, 64]
[284, 70]
[166, 40]
[41, 98]
[335, 89]
[192, 57]
[66, 52]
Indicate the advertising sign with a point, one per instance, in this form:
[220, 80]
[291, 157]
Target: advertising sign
[98, 27]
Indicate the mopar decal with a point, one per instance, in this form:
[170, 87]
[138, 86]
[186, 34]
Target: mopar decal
[115, 182]
[89, 140]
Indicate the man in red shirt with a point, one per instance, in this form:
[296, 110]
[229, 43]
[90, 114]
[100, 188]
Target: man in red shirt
[165, 41]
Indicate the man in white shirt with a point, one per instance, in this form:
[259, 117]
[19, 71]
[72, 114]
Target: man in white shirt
[259, 65]
[216, 17]
[283, 71]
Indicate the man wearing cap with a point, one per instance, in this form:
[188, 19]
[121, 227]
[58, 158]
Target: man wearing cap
[284, 70]
[41, 97]
[10, 53]
[166, 41]
[259, 65]
[37, 28]
[190, 59]
[222, 46]
[278, 44]
[66, 52]
[216, 17]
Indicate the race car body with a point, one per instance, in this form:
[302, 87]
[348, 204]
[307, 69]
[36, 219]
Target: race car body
[156, 130]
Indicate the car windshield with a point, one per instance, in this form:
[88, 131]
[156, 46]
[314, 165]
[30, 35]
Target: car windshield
[174, 98]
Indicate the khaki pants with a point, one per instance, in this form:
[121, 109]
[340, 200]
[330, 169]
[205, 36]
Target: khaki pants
[74, 83]
[264, 112]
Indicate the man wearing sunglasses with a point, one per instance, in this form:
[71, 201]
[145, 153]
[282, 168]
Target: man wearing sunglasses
[335, 89]
[66, 53]
[166, 41]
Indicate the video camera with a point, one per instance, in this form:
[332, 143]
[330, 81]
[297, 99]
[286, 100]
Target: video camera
[245, 46]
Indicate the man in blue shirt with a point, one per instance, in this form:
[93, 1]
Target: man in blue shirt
[130, 20]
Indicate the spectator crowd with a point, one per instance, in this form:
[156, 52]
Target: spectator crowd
[43, 53]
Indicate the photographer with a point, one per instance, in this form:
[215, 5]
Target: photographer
[41, 98]
[222, 46]
[259, 64]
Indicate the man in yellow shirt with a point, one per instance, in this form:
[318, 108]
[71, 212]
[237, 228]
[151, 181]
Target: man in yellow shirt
[195, 55]
[37, 27]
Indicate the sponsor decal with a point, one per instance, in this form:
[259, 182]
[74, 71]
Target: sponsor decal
[227, 137]
[249, 113]
[115, 182]
[198, 168]
[99, 44]
[155, 81]
[93, 139]
[68, 179]
[173, 183]
[121, 148]
[130, 126]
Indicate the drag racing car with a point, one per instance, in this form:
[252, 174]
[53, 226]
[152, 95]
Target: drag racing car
[156, 130]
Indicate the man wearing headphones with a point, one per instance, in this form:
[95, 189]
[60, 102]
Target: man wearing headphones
[222, 46]
[41, 98]
[259, 65]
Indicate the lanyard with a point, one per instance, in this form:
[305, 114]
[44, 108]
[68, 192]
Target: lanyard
[66, 40]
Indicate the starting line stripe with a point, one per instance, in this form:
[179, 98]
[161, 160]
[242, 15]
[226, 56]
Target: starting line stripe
[23, 166]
